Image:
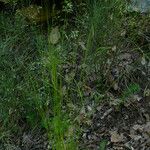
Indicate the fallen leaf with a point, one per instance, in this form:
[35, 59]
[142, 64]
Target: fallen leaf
[115, 137]
[54, 36]
[147, 128]
[107, 113]
[147, 92]
[143, 61]
[138, 128]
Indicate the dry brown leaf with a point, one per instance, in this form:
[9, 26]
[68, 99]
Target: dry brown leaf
[143, 61]
[115, 137]
[54, 36]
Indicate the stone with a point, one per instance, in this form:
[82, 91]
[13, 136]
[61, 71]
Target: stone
[35, 14]
[142, 6]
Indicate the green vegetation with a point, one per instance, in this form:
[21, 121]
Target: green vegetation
[46, 80]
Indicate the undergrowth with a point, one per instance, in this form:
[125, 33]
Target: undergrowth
[45, 85]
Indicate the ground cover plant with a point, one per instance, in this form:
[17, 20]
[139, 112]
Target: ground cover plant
[75, 79]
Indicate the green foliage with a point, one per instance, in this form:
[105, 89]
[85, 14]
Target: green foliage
[40, 78]
[103, 144]
[105, 18]
[131, 89]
